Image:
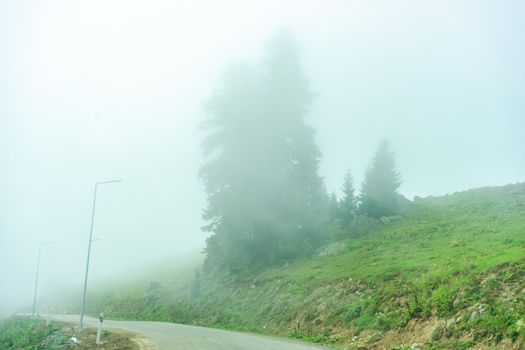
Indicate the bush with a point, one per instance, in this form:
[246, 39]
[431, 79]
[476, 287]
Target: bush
[443, 299]
[24, 333]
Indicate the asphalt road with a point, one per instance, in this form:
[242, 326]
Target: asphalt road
[172, 336]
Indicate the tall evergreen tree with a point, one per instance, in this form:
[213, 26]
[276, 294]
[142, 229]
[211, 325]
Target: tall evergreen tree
[229, 176]
[333, 208]
[348, 203]
[379, 196]
[287, 99]
[265, 197]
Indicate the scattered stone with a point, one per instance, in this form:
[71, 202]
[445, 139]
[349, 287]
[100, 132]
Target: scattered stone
[415, 346]
[437, 333]
[153, 285]
[332, 248]
[361, 346]
[450, 323]
[456, 302]
[474, 316]
[482, 308]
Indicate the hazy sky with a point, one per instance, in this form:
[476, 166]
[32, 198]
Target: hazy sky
[98, 90]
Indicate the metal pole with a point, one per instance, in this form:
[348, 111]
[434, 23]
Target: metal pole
[87, 262]
[89, 249]
[37, 271]
[48, 322]
[36, 279]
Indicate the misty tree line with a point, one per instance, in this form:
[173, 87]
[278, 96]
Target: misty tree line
[266, 201]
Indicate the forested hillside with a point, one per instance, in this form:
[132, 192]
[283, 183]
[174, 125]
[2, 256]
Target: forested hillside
[267, 203]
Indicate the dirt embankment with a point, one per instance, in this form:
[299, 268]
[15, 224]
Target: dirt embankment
[112, 339]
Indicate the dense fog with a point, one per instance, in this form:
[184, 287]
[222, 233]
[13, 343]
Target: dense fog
[102, 90]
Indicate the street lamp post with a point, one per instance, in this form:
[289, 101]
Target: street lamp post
[37, 271]
[89, 248]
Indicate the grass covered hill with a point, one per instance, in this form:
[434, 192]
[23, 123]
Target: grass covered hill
[447, 274]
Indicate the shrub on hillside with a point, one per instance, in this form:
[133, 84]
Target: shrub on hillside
[24, 333]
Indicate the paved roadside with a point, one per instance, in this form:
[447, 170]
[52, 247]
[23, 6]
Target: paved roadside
[172, 336]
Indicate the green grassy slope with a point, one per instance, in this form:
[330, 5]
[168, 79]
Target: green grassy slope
[447, 274]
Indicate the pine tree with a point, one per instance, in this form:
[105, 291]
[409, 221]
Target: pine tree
[348, 203]
[333, 208]
[379, 196]
[229, 176]
[266, 200]
[287, 98]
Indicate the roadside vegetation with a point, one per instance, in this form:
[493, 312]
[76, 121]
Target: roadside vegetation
[26, 333]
